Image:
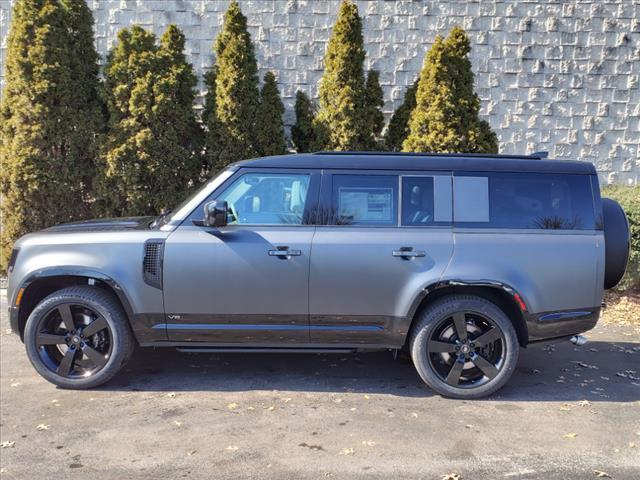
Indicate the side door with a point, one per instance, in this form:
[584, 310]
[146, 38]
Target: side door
[247, 282]
[385, 236]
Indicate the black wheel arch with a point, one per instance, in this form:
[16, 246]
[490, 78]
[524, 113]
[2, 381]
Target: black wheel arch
[502, 294]
[42, 283]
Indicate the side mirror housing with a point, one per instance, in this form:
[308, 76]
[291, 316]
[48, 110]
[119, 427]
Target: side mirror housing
[215, 214]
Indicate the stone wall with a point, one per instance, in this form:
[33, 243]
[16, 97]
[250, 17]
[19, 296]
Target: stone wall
[561, 76]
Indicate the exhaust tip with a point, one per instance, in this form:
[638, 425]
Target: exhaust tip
[578, 340]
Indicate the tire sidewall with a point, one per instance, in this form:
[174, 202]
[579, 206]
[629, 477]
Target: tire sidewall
[118, 352]
[430, 319]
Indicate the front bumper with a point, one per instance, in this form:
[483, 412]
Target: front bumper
[549, 325]
[14, 322]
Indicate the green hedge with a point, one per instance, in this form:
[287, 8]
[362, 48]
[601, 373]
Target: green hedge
[629, 198]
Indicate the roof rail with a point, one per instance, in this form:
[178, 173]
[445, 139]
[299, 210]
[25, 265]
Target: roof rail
[534, 156]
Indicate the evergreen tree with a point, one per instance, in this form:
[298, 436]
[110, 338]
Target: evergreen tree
[47, 118]
[236, 92]
[374, 102]
[398, 128]
[302, 133]
[269, 126]
[210, 122]
[446, 116]
[151, 153]
[341, 123]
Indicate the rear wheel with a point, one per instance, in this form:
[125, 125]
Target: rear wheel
[464, 347]
[78, 337]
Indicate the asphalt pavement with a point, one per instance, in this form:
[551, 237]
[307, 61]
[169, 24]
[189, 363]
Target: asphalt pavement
[569, 412]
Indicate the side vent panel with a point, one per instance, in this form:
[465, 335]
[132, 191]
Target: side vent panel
[152, 263]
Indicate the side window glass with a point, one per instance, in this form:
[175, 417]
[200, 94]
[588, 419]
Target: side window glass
[365, 200]
[426, 200]
[525, 201]
[267, 199]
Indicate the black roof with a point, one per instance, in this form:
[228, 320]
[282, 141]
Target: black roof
[421, 161]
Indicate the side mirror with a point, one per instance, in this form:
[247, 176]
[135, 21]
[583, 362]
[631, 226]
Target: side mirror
[215, 214]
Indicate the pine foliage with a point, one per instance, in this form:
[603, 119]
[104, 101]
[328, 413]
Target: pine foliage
[446, 116]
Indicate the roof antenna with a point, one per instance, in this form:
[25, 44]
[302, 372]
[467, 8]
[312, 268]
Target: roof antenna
[540, 155]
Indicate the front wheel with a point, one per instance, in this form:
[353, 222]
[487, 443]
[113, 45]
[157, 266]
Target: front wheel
[78, 337]
[464, 346]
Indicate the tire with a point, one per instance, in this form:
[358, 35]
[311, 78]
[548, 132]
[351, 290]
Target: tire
[439, 355]
[617, 242]
[59, 350]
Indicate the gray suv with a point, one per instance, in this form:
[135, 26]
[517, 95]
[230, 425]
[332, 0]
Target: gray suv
[459, 260]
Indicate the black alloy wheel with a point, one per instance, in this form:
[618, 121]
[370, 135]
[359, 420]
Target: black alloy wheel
[78, 337]
[464, 346]
[74, 341]
[466, 349]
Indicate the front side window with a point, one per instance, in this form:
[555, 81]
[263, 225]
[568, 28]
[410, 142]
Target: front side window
[525, 201]
[267, 199]
[365, 200]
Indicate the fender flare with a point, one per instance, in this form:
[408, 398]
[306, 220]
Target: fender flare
[76, 271]
[518, 298]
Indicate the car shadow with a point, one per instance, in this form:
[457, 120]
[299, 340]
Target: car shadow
[597, 371]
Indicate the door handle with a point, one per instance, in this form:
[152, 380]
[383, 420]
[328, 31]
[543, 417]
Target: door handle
[408, 253]
[284, 252]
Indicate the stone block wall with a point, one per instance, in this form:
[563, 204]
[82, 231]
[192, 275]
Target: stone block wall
[561, 76]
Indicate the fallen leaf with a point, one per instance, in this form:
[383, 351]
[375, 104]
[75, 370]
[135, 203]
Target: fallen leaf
[171, 395]
[286, 400]
[414, 414]
[191, 452]
[571, 435]
[451, 476]
[369, 443]
[601, 474]
[271, 408]
[42, 427]
[632, 445]
[367, 397]
[232, 448]
[7, 444]
[177, 423]
[15, 384]
[584, 403]
[232, 406]
[347, 451]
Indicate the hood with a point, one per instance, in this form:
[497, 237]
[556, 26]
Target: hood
[104, 224]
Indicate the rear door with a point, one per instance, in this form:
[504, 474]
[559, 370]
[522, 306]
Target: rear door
[385, 235]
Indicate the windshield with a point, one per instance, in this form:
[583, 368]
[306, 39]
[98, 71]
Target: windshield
[180, 212]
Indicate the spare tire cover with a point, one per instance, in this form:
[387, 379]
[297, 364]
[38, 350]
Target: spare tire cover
[617, 242]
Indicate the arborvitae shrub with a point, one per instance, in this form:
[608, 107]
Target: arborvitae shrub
[374, 101]
[236, 93]
[398, 128]
[302, 132]
[269, 125]
[151, 155]
[49, 115]
[341, 123]
[446, 116]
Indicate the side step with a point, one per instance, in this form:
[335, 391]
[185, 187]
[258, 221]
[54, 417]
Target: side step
[262, 350]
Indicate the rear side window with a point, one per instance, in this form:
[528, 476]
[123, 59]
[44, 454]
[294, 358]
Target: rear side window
[365, 200]
[524, 201]
[426, 201]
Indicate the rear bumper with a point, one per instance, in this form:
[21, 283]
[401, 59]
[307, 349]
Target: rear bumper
[548, 325]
